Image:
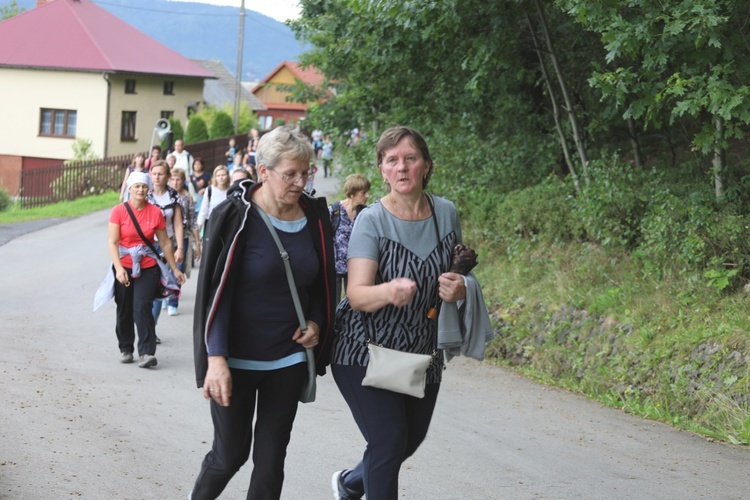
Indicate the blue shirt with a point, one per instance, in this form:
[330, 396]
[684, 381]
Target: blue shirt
[254, 327]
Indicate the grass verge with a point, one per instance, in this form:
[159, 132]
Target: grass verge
[664, 346]
[75, 208]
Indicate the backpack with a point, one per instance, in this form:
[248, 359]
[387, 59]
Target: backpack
[335, 216]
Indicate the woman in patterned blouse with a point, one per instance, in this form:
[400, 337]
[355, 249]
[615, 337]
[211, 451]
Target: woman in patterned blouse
[398, 260]
[343, 213]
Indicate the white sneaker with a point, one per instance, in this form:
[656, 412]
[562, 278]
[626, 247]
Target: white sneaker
[147, 361]
[172, 311]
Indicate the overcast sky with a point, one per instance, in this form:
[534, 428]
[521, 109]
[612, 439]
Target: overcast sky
[281, 10]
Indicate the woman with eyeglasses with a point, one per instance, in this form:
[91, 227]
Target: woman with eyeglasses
[248, 342]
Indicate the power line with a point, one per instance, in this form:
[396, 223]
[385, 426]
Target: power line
[260, 18]
[121, 6]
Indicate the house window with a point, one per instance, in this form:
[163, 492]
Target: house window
[168, 88]
[130, 86]
[167, 114]
[128, 126]
[265, 122]
[58, 122]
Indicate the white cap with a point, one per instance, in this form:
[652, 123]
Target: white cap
[139, 177]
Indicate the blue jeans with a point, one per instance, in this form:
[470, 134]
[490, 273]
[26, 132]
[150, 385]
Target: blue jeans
[174, 301]
[156, 306]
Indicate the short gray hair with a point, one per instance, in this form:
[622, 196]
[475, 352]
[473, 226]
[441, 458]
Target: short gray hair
[283, 143]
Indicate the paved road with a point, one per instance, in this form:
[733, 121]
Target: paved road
[77, 423]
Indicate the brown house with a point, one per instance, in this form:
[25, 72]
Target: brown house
[271, 93]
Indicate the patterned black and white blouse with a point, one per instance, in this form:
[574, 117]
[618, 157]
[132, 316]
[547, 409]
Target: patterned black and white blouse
[403, 249]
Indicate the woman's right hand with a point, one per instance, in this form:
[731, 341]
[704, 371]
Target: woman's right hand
[218, 382]
[122, 276]
[402, 290]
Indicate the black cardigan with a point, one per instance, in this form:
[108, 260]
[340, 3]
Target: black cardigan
[220, 242]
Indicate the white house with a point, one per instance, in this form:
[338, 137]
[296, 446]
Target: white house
[70, 69]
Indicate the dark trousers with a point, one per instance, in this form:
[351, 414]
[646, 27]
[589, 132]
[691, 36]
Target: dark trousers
[327, 167]
[277, 394]
[393, 424]
[134, 306]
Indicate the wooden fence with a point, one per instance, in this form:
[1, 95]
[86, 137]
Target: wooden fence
[45, 185]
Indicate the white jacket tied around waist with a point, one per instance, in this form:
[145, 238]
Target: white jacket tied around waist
[106, 290]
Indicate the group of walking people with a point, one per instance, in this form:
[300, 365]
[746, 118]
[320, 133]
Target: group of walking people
[154, 238]
[275, 265]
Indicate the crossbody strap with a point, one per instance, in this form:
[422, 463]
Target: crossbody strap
[138, 228]
[287, 267]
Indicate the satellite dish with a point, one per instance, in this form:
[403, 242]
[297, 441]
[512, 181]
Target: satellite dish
[162, 128]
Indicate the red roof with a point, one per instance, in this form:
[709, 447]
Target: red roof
[310, 76]
[81, 36]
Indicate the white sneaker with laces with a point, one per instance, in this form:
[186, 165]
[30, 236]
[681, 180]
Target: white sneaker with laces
[172, 311]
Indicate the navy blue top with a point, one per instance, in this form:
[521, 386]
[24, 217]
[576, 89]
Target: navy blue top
[257, 322]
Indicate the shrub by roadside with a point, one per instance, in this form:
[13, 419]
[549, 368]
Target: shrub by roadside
[5, 199]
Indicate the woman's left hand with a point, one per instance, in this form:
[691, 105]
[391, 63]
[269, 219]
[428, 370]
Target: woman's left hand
[310, 338]
[451, 287]
[179, 255]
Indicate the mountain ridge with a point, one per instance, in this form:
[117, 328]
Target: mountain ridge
[204, 31]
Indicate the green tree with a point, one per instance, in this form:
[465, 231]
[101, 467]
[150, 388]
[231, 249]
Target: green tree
[196, 130]
[10, 10]
[177, 133]
[391, 61]
[680, 62]
[221, 126]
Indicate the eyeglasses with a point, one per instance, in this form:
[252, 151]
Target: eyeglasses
[293, 179]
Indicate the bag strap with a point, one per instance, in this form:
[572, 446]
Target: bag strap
[138, 228]
[336, 216]
[434, 217]
[287, 268]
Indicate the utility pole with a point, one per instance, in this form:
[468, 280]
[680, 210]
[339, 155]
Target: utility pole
[238, 85]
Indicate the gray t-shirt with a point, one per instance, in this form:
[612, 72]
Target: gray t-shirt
[407, 249]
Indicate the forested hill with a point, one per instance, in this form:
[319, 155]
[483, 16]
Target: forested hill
[202, 31]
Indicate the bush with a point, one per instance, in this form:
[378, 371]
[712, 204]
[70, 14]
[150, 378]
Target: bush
[82, 180]
[538, 213]
[5, 199]
[611, 206]
[196, 130]
[692, 234]
[82, 151]
[221, 126]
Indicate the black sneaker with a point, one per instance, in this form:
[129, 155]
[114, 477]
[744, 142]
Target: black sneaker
[158, 340]
[340, 491]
